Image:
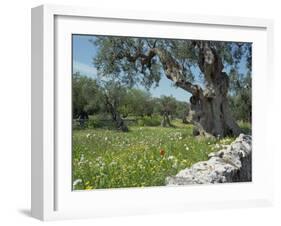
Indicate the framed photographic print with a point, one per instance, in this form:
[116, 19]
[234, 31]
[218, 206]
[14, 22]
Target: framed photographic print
[137, 112]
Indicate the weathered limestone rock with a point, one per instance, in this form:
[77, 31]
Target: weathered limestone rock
[232, 164]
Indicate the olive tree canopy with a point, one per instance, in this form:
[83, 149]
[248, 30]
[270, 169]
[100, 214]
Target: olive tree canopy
[198, 67]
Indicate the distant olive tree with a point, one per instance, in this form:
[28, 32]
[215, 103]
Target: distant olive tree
[113, 97]
[182, 111]
[166, 106]
[139, 102]
[241, 96]
[85, 94]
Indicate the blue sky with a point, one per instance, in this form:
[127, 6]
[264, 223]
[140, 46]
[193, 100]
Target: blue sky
[84, 52]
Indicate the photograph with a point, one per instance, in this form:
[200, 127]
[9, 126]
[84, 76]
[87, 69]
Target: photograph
[150, 111]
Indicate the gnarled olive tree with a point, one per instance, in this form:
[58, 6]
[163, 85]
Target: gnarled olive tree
[144, 61]
[113, 95]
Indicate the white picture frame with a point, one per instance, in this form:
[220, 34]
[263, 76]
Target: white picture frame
[52, 197]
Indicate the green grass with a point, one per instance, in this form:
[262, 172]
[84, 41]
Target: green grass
[245, 127]
[145, 156]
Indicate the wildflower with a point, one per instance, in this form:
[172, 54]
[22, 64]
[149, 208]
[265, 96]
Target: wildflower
[184, 161]
[88, 135]
[187, 148]
[82, 158]
[89, 187]
[99, 159]
[217, 146]
[170, 157]
[106, 138]
[113, 163]
[175, 165]
[162, 152]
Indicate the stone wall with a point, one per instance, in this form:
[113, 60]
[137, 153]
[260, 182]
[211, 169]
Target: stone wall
[232, 164]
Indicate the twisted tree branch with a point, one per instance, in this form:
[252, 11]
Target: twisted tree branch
[173, 70]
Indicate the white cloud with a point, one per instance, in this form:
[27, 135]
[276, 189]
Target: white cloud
[84, 69]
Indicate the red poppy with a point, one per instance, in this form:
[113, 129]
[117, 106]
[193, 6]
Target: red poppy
[162, 152]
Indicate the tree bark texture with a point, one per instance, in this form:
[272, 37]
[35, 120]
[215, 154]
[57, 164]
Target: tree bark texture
[116, 118]
[166, 120]
[209, 110]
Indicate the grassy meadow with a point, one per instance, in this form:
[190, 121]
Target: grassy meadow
[132, 98]
[144, 156]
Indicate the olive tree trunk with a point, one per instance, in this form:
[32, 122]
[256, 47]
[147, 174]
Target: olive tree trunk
[116, 118]
[166, 120]
[209, 110]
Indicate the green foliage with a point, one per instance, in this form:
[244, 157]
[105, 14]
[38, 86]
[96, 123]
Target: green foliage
[241, 96]
[86, 95]
[246, 127]
[93, 123]
[114, 94]
[139, 102]
[109, 62]
[149, 121]
[125, 57]
[143, 157]
[182, 109]
[166, 105]
[93, 98]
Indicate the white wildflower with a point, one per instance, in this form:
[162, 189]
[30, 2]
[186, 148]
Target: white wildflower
[88, 135]
[82, 157]
[170, 157]
[187, 148]
[175, 165]
[217, 146]
[113, 163]
[99, 159]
